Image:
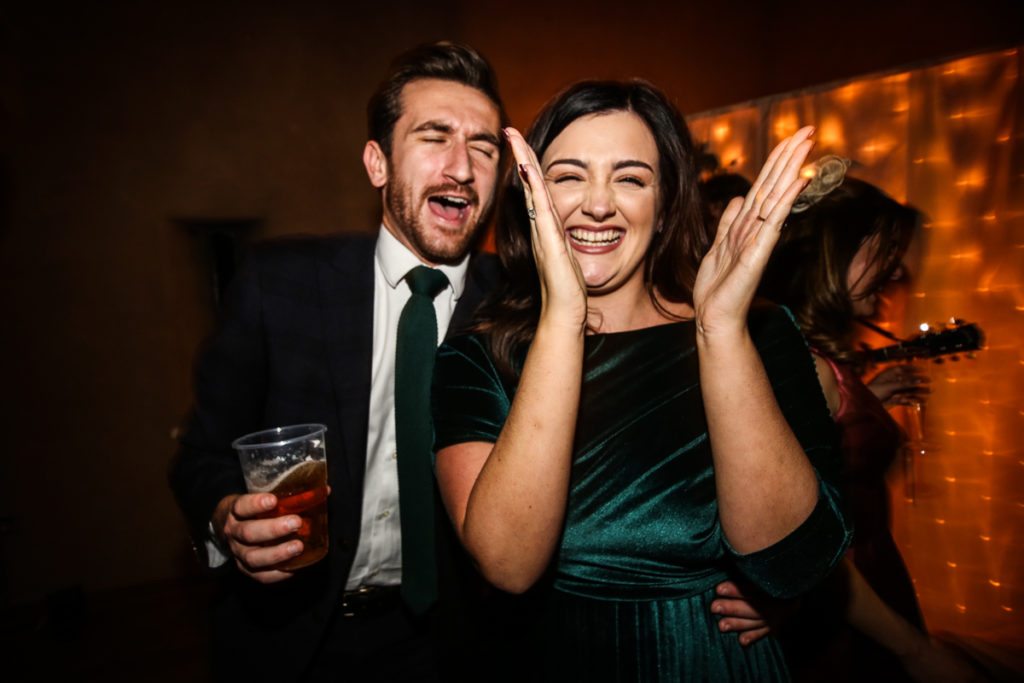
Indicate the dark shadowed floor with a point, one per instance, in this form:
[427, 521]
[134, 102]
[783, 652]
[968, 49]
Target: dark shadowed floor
[152, 633]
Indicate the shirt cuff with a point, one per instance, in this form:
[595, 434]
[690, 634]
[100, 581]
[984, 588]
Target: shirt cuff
[216, 554]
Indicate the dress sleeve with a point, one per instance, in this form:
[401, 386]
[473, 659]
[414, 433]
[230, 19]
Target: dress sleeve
[469, 400]
[804, 557]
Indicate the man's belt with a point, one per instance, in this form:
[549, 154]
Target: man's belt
[369, 600]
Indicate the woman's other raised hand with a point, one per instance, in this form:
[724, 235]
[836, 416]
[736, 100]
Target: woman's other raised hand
[730, 272]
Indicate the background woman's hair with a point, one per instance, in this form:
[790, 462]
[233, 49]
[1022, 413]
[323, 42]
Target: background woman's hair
[678, 242]
[808, 269]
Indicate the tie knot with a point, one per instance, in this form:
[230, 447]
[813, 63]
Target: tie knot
[426, 281]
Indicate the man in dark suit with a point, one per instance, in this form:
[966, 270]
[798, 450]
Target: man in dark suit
[308, 336]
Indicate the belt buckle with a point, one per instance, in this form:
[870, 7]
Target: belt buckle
[364, 600]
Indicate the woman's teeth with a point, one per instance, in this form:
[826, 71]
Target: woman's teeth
[595, 238]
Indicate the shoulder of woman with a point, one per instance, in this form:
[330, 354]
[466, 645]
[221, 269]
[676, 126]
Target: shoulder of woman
[829, 382]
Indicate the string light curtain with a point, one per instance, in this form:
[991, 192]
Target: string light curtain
[948, 139]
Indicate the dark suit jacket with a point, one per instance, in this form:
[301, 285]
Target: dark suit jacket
[293, 346]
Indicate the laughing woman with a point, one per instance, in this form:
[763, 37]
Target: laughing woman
[622, 425]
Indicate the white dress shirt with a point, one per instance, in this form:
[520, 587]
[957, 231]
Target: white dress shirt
[378, 560]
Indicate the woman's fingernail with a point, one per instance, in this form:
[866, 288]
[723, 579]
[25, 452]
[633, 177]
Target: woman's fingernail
[504, 131]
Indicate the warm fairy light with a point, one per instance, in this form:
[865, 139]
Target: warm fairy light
[939, 521]
[989, 216]
[733, 156]
[985, 538]
[951, 565]
[720, 131]
[987, 499]
[849, 92]
[924, 327]
[830, 132]
[961, 608]
[951, 480]
[994, 583]
[972, 178]
[785, 126]
[966, 255]
[987, 451]
[1006, 608]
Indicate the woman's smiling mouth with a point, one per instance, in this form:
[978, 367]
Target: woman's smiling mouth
[593, 241]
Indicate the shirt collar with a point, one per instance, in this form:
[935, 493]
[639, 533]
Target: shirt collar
[396, 261]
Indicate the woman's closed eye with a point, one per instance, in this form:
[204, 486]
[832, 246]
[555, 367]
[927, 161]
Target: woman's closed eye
[632, 180]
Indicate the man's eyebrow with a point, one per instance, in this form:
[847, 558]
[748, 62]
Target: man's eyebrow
[437, 126]
[447, 129]
[486, 137]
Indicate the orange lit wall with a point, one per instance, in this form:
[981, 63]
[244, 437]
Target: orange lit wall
[948, 139]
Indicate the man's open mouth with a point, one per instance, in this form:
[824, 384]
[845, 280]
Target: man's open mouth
[449, 207]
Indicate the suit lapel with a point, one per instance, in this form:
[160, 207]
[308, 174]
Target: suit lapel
[481, 280]
[346, 291]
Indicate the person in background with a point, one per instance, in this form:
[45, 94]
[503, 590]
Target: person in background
[843, 243]
[623, 431]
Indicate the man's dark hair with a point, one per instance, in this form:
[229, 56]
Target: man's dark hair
[445, 61]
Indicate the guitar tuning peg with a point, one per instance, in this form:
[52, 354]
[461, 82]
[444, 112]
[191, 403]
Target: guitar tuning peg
[954, 358]
[940, 361]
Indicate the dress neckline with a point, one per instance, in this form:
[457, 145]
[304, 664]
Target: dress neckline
[673, 324]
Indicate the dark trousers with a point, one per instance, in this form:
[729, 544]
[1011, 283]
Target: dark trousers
[390, 646]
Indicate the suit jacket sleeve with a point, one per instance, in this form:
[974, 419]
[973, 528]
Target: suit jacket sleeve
[229, 389]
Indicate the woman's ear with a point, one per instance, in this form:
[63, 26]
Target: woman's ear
[376, 163]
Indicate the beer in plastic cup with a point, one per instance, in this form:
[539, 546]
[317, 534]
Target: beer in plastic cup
[291, 463]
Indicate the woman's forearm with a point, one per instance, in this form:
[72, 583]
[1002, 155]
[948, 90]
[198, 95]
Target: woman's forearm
[512, 514]
[766, 486]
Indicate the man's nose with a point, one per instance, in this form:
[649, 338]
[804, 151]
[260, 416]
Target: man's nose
[458, 165]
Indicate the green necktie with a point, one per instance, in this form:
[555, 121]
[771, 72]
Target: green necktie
[414, 367]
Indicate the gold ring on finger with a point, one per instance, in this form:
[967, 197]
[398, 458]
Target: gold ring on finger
[532, 213]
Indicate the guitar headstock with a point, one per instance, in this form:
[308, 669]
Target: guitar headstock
[958, 338]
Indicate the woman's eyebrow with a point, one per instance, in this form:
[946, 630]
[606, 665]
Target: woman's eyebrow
[632, 163]
[569, 162]
[618, 165]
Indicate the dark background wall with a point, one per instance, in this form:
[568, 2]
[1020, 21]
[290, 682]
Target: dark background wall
[119, 120]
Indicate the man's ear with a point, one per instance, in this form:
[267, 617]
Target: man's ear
[376, 163]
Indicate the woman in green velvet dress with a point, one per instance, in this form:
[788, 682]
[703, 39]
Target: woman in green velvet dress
[623, 427]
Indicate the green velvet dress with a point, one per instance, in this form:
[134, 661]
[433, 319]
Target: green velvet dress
[642, 548]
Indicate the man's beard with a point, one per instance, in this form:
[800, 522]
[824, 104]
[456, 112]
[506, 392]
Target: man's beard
[448, 251]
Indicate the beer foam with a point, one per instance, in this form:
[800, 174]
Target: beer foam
[304, 471]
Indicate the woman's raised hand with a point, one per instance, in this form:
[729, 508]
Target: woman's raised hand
[563, 290]
[730, 272]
